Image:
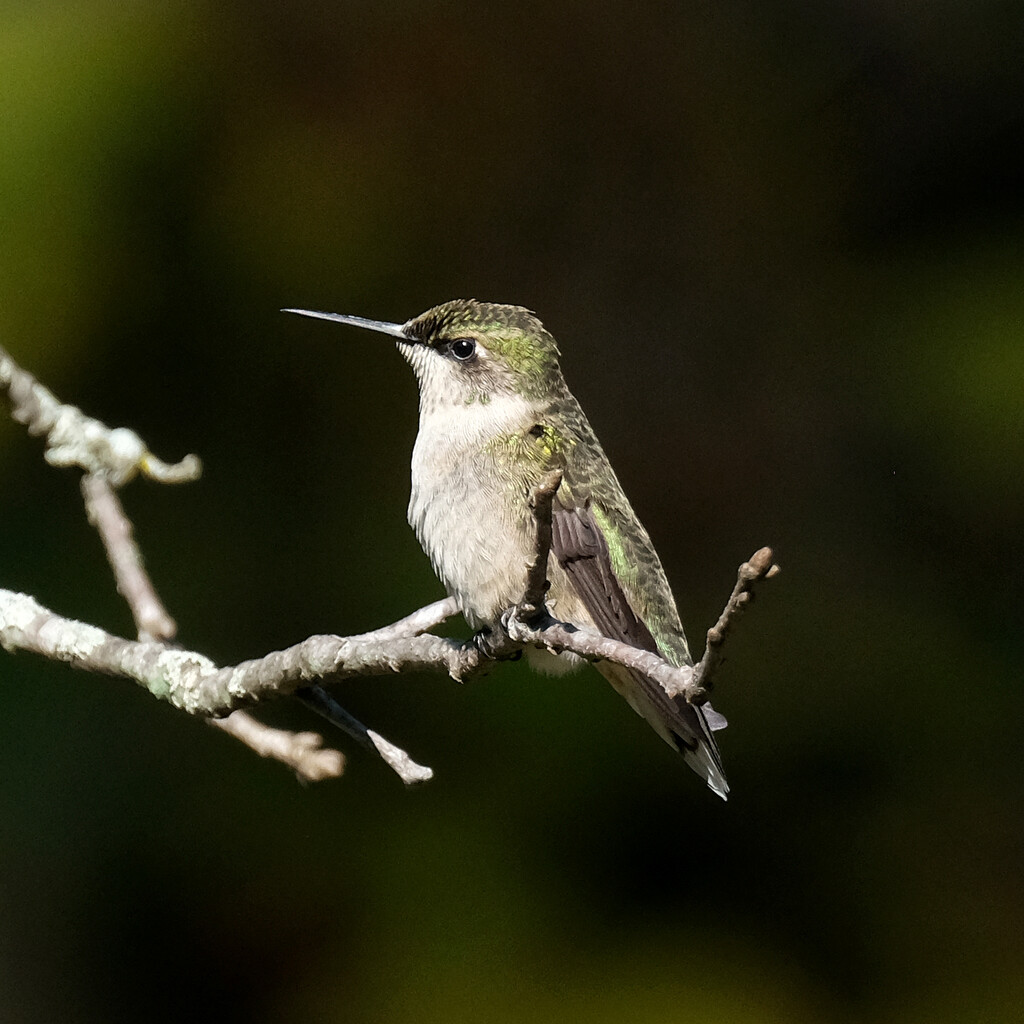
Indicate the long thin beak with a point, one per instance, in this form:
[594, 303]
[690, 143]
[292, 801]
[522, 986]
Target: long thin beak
[381, 326]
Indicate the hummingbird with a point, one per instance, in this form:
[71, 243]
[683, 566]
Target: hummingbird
[496, 417]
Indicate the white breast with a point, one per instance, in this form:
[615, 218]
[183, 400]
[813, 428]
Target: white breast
[473, 526]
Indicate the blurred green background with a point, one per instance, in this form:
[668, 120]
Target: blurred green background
[781, 247]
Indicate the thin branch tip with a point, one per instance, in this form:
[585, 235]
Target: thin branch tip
[404, 766]
[760, 565]
[546, 488]
[303, 752]
[185, 471]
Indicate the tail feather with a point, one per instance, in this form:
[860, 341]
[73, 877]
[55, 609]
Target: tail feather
[680, 724]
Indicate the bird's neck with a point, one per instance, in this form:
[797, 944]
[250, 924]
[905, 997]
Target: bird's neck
[472, 424]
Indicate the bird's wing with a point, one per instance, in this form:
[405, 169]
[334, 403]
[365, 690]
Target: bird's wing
[581, 548]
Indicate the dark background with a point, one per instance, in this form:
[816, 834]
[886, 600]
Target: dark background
[781, 247]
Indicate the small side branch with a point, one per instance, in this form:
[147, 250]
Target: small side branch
[760, 567]
[559, 637]
[317, 699]
[105, 511]
[541, 498]
[304, 752]
[74, 439]
[420, 621]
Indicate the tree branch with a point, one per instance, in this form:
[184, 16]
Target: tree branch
[760, 567]
[111, 458]
[532, 604]
[104, 510]
[303, 751]
[74, 439]
[191, 682]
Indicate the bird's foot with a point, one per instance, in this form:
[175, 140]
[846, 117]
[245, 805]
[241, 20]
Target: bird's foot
[494, 643]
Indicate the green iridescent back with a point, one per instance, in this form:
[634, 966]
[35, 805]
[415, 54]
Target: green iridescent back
[637, 567]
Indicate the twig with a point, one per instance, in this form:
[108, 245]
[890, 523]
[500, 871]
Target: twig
[399, 760]
[760, 567]
[317, 699]
[302, 751]
[105, 511]
[558, 637]
[74, 439]
[420, 621]
[188, 469]
[541, 497]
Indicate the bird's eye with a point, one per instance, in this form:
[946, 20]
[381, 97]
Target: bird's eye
[463, 349]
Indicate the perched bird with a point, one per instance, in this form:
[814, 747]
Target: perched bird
[496, 417]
